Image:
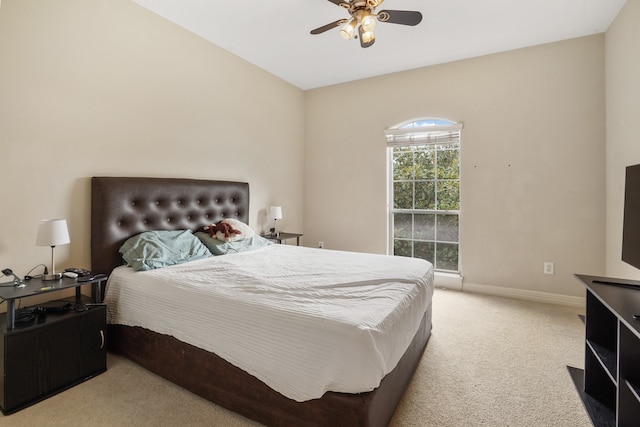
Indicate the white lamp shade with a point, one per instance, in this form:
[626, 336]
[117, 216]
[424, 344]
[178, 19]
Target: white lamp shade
[276, 212]
[52, 232]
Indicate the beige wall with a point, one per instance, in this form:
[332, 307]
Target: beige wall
[623, 133]
[105, 87]
[532, 161]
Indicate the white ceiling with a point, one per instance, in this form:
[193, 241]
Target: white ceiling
[274, 34]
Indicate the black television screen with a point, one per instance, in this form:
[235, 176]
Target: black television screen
[631, 222]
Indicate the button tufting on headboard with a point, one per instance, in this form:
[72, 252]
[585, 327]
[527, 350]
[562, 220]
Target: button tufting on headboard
[122, 207]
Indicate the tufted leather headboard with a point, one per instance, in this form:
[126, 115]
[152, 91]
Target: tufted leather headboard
[122, 207]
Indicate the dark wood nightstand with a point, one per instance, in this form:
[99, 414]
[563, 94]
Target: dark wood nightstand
[282, 236]
[47, 353]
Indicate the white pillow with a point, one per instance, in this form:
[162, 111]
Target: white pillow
[246, 232]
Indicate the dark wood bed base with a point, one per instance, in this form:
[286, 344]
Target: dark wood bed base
[122, 207]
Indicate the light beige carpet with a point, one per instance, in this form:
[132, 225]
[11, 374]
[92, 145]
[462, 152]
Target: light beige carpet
[490, 361]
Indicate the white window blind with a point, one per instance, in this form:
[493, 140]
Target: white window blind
[405, 136]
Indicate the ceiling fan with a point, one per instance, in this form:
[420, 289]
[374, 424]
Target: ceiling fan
[363, 19]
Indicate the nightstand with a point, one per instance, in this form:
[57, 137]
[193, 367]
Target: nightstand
[51, 352]
[282, 236]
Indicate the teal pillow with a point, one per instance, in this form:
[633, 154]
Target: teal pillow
[156, 249]
[218, 247]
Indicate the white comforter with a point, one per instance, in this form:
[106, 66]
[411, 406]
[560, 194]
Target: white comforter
[303, 321]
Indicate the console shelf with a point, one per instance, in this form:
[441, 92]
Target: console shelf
[634, 389]
[610, 388]
[606, 357]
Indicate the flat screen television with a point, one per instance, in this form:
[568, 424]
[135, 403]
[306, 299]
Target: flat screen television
[631, 222]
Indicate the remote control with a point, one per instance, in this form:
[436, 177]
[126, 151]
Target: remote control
[79, 271]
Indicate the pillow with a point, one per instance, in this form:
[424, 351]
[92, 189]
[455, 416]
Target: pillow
[245, 231]
[218, 247]
[156, 249]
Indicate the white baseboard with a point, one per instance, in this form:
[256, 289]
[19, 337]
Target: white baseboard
[447, 280]
[525, 294]
[455, 282]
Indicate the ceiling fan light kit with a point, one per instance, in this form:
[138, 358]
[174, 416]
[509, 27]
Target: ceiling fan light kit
[348, 30]
[364, 19]
[366, 37]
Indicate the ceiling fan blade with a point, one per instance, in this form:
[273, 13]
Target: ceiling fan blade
[404, 17]
[327, 27]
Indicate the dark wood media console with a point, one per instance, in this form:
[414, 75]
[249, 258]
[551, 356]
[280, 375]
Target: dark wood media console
[610, 385]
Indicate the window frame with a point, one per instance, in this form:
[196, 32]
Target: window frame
[433, 132]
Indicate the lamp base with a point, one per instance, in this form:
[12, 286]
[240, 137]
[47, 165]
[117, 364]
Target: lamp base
[54, 276]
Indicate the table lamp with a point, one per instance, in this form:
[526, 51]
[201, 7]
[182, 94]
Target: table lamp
[52, 232]
[276, 214]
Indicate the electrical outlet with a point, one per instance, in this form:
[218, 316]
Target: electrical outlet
[548, 267]
[321, 244]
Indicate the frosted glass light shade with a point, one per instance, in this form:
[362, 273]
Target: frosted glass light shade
[368, 23]
[348, 30]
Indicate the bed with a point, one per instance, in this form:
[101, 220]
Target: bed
[123, 207]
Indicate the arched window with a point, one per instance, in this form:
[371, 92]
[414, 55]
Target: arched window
[424, 191]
